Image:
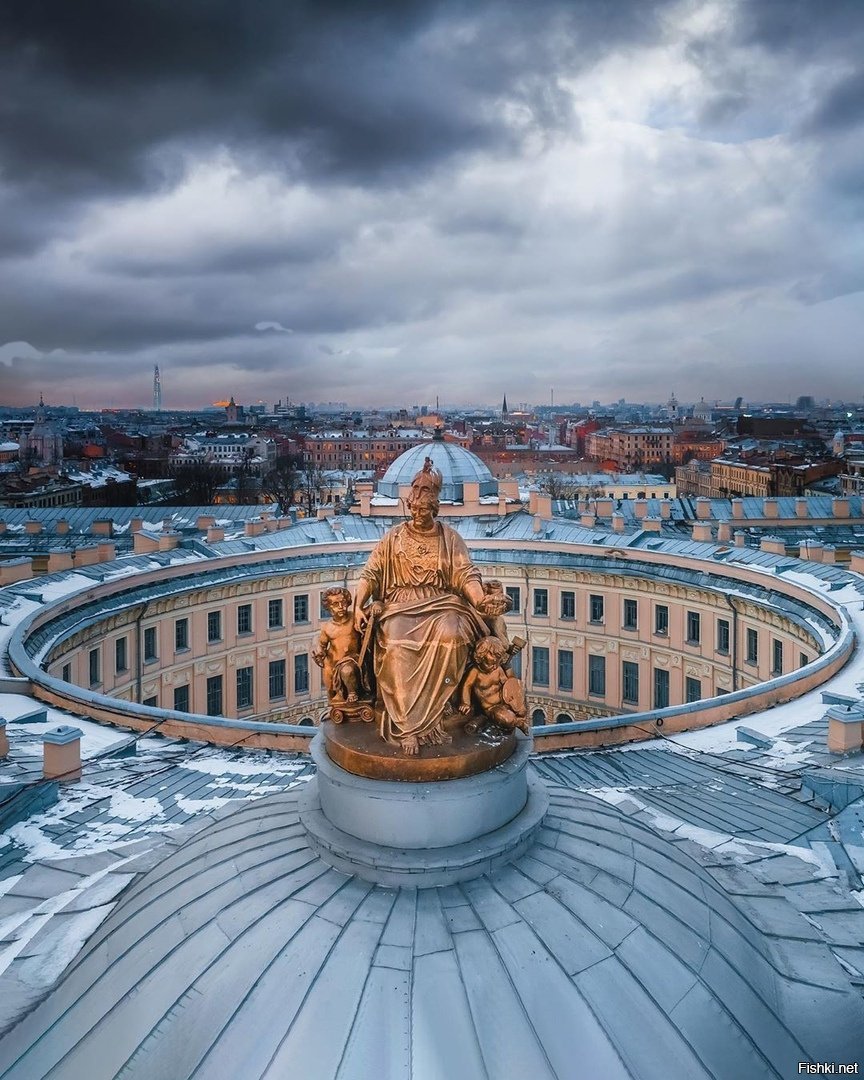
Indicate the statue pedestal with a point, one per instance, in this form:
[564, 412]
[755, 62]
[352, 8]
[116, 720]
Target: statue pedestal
[359, 749]
[408, 833]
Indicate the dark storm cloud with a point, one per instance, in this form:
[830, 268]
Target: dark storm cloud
[353, 88]
[429, 193]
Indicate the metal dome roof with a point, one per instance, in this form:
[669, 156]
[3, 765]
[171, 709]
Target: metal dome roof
[606, 950]
[455, 464]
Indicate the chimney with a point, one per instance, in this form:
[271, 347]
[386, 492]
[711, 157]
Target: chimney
[703, 508]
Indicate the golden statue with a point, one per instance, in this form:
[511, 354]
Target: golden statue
[429, 609]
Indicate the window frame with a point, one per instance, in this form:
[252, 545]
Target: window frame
[121, 646]
[245, 676]
[540, 602]
[215, 692]
[661, 679]
[277, 675]
[596, 602]
[629, 682]
[596, 675]
[539, 662]
[301, 673]
[565, 668]
[299, 606]
[244, 619]
[275, 605]
[630, 614]
[214, 623]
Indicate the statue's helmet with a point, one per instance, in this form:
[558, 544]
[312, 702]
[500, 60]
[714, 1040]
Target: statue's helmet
[429, 473]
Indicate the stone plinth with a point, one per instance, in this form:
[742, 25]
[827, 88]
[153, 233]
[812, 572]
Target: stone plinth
[422, 834]
[61, 748]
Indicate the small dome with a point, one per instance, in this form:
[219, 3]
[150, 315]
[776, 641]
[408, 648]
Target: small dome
[455, 464]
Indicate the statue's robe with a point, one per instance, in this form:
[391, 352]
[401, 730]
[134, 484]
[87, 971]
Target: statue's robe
[424, 636]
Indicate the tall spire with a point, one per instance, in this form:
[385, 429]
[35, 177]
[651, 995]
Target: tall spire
[504, 406]
[157, 389]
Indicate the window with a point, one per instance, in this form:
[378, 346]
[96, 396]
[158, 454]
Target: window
[181, 635]
[301, 608]
[274, 614]
[214, 628]
[152, 702]
[692, 690]
[802, 661]
[630, 682]
[121, 662]
[181, 698]
[661, 619]
[214, 695]
[541, 602]
[694, 630]
[540, 665]
[568, 604]
[661, 688]
[67, 673]
[777, 657]
[752, 646]
[565, 669]
[595, 607]
[631, 614]
[597, 675]
[244, 619]
[277, 679]
[301, 673]
[723, 636]
[149, 644]
[515, 594]
[244, 688]
[94, 667]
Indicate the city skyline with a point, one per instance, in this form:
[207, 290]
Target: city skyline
[432, 198]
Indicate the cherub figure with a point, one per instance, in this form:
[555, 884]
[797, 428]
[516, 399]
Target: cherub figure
[493, 688]
[338, 649]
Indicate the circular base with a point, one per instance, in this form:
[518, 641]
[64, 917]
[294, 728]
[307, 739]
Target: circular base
[422, 835]
[359, 749]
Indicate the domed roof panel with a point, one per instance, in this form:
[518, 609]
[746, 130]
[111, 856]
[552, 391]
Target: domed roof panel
[455, 464]
[606, 946]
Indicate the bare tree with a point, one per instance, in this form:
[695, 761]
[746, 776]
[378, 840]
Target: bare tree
[244, 478]
[197, 482]
[282, 483]
[311, 483]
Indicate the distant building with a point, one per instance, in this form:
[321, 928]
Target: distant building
[630, 449]
[43, 444]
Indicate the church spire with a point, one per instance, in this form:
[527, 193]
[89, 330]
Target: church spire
[504, 406]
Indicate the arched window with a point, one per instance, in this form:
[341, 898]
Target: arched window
[307, 721]
[538, 717]
[563, 718]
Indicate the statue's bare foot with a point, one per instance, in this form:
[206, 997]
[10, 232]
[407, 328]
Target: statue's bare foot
[410, 746]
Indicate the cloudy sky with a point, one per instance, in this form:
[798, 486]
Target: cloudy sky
[379, 202]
